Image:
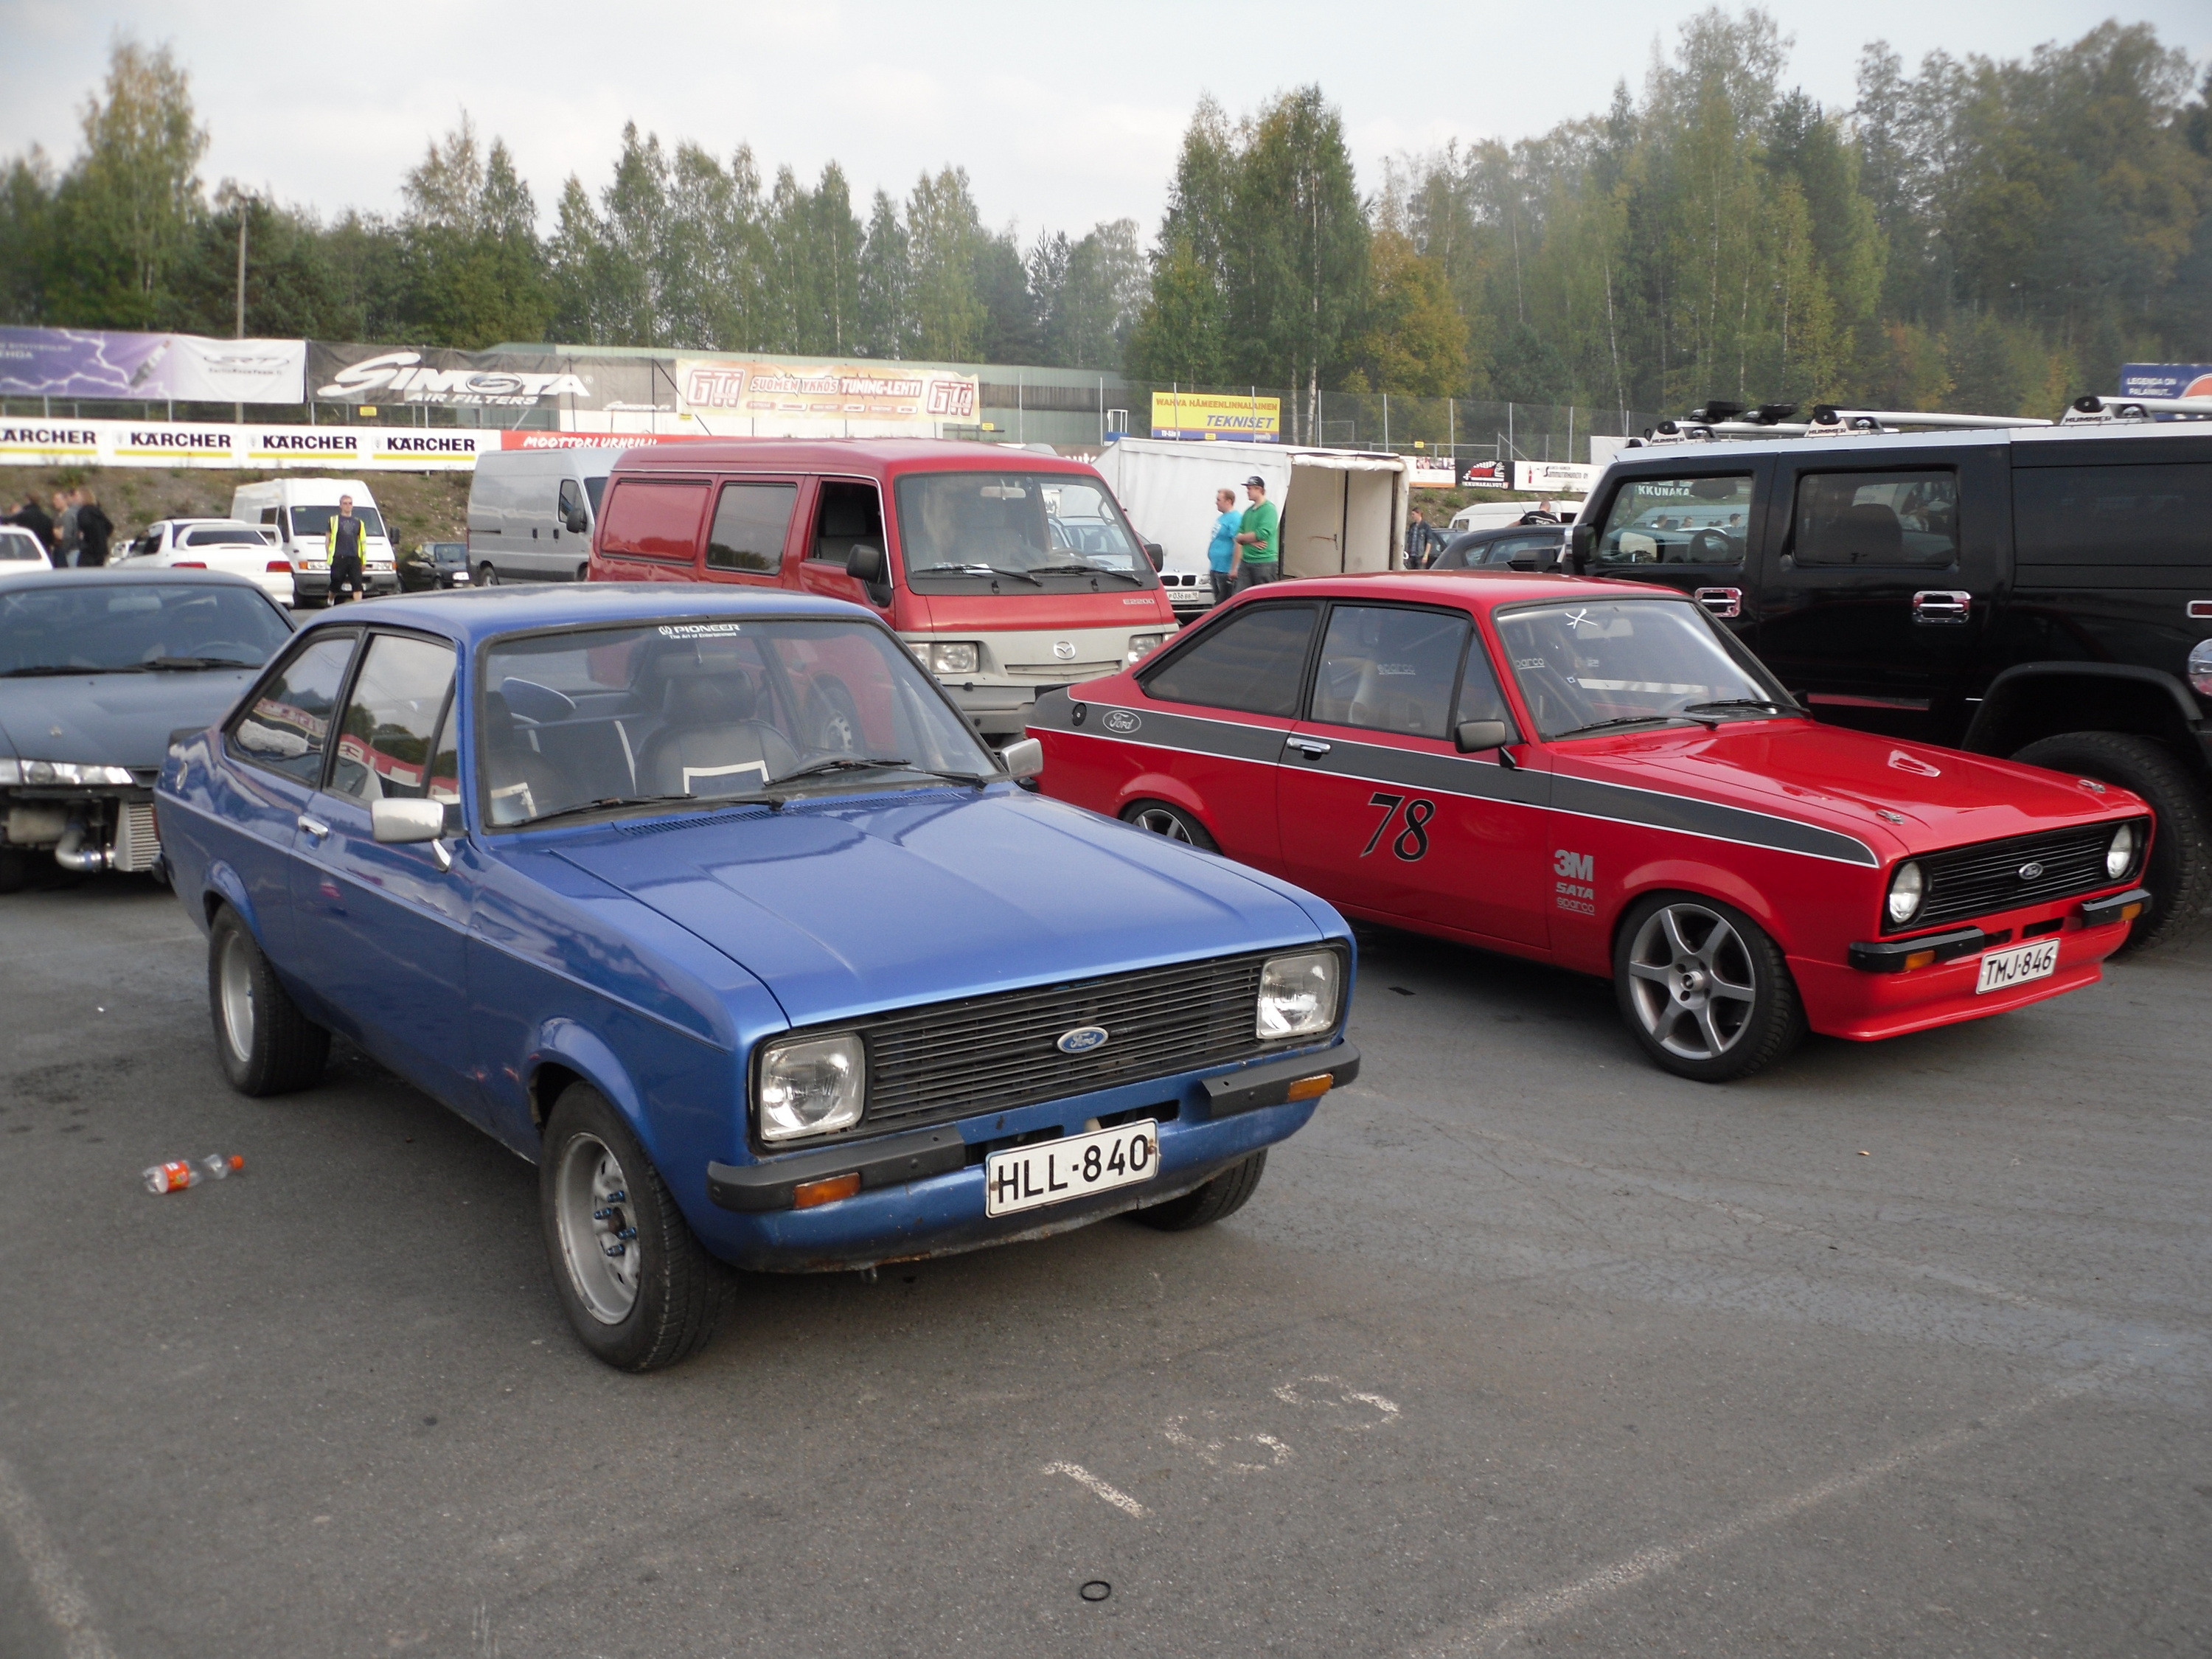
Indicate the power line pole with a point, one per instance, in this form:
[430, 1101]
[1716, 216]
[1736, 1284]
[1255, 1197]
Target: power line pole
[239, 333]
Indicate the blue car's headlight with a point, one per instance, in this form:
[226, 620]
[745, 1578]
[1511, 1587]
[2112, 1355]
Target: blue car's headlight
[811, 1085]
[1298, 995]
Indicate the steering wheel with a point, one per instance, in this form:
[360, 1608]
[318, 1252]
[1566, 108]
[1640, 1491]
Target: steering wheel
[1710, 547]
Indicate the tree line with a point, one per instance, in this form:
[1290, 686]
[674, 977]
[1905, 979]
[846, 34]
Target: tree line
[1970, 233]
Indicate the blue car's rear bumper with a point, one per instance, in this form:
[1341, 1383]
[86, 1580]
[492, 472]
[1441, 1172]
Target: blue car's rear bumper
[922, 1192]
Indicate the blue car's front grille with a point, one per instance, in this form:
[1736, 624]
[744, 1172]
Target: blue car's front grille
[991, 1054]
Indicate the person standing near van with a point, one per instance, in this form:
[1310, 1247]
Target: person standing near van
[94, 530]
[1257, 555]
[64, 542]
[342, 545]
[1221, 552]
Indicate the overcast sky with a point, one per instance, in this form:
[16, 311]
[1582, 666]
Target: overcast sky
[1063, 115]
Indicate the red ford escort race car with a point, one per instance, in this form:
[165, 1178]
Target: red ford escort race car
[1594, 773]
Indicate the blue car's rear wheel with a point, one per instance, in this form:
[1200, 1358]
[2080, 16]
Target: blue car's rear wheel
[268, 1046]
[637, 1286]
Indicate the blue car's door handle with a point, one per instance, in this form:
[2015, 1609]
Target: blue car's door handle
[314, 829]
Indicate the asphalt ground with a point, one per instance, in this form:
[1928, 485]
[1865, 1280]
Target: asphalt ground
[1898, 1349]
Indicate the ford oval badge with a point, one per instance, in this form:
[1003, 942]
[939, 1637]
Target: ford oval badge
[1121, 720]
[2030, 871]
[1082, 1040]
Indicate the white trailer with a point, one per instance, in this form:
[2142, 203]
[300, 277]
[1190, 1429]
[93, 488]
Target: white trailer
[1342, 510]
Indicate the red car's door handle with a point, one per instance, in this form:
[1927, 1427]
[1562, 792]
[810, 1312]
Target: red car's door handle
[1721, 601]
[1311, 748]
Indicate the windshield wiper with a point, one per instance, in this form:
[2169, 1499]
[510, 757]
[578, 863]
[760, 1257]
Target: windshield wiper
[52, 669]
[1628, 719]
[1745, 702]
[978, 570]
[873, 763]
[193, 664]
[610, 803]
[1089, 570]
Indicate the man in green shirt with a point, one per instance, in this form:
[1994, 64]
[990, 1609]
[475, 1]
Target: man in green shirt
[1258, 557]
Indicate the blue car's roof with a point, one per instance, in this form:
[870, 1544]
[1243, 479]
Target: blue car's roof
[471, 616]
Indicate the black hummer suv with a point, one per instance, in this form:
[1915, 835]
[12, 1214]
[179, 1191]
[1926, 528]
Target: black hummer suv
[2038, 592]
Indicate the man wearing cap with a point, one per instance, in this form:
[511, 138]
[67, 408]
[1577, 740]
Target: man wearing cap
[1258, 558]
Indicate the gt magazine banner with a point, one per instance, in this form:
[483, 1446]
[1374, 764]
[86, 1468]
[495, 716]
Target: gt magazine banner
[73, 363]
[374, 375]
[746, 396]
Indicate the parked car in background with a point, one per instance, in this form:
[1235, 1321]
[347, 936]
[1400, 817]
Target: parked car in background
[20, 552]
[1517, 547]
[582, 864]
[1597, 774]
[531, 512]
[97, 668]
[299, 511]
[227, 544]
[1008, 574]
[435, 565]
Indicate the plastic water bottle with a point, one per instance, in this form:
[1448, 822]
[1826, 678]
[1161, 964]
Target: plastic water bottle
[181, 1172]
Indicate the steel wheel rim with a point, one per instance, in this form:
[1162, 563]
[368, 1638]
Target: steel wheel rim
[1691, 981]
[234, 994]
[1161, 821]
[593, 1210]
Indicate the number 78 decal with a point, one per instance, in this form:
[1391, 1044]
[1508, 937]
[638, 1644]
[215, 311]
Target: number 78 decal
[1411, 842]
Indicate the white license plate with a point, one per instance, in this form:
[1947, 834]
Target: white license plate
[2003, 969]
[1055, 1171]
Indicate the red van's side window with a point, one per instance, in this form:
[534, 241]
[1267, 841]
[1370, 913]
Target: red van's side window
[654, 519]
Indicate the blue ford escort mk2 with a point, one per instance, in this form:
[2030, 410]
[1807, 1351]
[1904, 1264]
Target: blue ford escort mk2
[712, 905]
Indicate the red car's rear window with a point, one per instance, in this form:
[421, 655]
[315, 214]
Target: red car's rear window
[654, 519]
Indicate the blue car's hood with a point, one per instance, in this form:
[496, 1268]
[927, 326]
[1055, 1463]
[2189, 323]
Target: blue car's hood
[113, 720]
[844, 907]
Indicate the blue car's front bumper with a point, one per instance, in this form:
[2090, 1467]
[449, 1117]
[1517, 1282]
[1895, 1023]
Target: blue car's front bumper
[922, 1191]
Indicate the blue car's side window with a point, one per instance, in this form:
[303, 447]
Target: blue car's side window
[384, 747]
[287, 726]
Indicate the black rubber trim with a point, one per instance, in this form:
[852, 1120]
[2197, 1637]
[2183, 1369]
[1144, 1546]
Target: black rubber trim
[2096, 913]
[1888, 957]
[885, 1163]
[1269, 1084]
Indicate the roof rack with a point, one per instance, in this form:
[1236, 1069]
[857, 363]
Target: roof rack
[2094, 410]
[1718, 420]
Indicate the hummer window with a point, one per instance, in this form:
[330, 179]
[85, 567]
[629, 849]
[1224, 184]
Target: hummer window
[1678, 521]
[1908, 519]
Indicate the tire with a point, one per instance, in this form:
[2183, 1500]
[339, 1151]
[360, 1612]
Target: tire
[1170, 822]
[1672, 949]
[487, 576]
[2179, 874]
[638, 1288]
[267, 1046]
[833, 720]
[1218, 1199]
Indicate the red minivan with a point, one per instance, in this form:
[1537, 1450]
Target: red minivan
[1007, 572]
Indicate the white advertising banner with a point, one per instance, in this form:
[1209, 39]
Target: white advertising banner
[738, 396]
[1554, 478]
[221, 444]
[1432, 471]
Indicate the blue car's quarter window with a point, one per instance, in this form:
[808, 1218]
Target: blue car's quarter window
[286, 727]
[391, 717]
[104, 628]
[707, 708]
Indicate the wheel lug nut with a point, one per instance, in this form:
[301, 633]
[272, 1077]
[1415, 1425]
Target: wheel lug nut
[616, 1249]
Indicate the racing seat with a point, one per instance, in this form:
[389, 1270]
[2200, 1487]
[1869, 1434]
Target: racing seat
[709, 743]
[522, 782]
[1867, 533]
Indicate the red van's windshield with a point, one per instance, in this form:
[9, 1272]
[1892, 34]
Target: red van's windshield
[1016, 532]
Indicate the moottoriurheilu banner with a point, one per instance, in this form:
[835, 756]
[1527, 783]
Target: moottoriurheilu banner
[68, 362]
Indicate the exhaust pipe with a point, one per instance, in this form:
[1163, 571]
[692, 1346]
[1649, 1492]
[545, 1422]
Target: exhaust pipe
[71, 854]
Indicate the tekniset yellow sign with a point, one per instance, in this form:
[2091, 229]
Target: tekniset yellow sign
[1217, 415]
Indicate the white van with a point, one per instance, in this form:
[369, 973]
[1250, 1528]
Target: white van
[531, 512]
[301, 510]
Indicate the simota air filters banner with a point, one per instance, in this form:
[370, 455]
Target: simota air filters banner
[376, 376]
[72, 362]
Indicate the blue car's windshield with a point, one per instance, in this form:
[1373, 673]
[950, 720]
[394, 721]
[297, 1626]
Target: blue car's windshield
[115, 627]
[621, 718]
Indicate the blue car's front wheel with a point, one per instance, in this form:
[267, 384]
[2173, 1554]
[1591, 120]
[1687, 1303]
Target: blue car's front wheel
[637, 1286]
[267, 1045]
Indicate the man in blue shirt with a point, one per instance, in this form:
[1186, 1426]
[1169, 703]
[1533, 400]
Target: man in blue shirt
[1221, 552]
